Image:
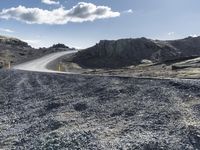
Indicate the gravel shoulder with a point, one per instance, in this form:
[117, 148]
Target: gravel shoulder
[60, 111]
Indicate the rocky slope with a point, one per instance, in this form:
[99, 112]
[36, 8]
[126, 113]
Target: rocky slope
[51, 111]
[126, 52]
[17, 51]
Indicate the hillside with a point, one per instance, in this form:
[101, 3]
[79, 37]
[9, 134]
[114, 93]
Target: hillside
[127, 52]
[16, 51]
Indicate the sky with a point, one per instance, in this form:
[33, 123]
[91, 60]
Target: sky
[81, 24]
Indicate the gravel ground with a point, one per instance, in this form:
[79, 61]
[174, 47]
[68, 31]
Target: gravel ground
[55, 111]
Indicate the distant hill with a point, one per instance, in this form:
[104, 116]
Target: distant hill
[126, 52]
[12, 42]
[17, 51]
[59, 46]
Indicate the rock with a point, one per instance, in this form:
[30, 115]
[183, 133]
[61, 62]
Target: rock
[194, 137]
[190, 63]
[80, 106]
[52, 105]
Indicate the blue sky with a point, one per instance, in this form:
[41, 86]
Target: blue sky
[157, 19]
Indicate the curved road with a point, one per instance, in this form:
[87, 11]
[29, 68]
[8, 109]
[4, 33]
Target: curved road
[40, 64]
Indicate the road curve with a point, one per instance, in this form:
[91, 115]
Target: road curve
[40, 64]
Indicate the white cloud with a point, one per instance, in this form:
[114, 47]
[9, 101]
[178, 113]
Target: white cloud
[80, 13]
[171, 33]
[6, 30]
[129, 11]
[51, 2]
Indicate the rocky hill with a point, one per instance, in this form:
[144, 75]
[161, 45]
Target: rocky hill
[126, 52]
[188, 46]
[12, 41]
[16, 51]
[59, 46]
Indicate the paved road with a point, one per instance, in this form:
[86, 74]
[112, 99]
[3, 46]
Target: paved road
[40, 64]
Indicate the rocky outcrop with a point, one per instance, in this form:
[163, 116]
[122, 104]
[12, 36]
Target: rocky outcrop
[126, 52]
[191, 63]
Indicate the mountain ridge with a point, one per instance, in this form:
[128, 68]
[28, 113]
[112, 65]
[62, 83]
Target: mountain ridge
[126, 52]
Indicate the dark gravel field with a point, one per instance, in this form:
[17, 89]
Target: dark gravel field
[55, 112]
